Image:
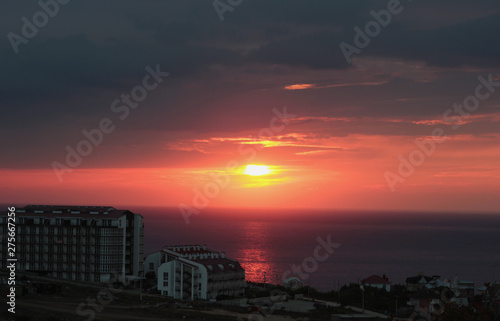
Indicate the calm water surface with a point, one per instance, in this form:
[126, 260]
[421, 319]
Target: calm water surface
[268, 243]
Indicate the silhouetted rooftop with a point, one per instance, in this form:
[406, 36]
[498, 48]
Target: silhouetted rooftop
[69, 211]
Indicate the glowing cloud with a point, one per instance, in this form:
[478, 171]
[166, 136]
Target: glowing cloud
[300, 86]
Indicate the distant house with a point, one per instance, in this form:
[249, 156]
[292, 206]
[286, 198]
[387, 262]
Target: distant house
[482, 290]
[425, 302]
[419, 282]
[430, 294]
[466, 289]
[492, 295]
[461, 289]
[376, 281]
[428, 303]
[489, 288]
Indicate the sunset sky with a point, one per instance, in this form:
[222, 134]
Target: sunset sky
[344, 128]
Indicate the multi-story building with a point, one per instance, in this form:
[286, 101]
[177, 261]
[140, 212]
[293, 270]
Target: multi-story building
[194, 272]
[79, 243]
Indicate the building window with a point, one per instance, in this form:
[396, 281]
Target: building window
[151, 266]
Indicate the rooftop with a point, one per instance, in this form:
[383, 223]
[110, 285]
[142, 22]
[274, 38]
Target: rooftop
[214, 261]
[220, 265]
[69, 211]
[420, 279]
[186, 250]
[376, 279]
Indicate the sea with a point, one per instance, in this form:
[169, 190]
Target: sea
[274, 244]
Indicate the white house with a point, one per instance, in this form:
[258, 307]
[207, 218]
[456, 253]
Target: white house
[193, 272]
[380, 282]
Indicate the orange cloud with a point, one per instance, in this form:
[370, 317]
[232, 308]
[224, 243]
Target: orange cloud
[300, 86]
[315, 86]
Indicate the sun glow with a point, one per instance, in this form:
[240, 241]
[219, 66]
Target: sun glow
[257, 170]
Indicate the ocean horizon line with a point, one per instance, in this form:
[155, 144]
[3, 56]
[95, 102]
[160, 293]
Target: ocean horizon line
[284, 209]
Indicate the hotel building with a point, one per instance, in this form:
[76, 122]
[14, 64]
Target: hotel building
[193, 272]
[79, 243]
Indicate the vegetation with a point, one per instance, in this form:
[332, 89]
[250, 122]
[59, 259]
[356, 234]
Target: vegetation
[453, 312]
[61, 305]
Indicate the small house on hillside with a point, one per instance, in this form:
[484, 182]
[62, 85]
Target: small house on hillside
[376, 281]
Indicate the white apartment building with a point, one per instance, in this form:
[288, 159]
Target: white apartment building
[79, 243]
[193, 272]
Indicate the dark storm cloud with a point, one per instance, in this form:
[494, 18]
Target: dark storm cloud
[318, 50]
[321, 12]
[471, 43]
[66, 77]
[58, 66]
[295, 33]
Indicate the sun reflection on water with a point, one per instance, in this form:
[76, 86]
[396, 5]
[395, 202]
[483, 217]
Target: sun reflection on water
[256, 254]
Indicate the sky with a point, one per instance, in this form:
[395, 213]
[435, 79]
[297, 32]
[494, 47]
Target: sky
[381, 105]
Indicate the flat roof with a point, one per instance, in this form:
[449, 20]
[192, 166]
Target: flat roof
[61, 211]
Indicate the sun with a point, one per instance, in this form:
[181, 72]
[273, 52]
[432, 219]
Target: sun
[257, 170]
